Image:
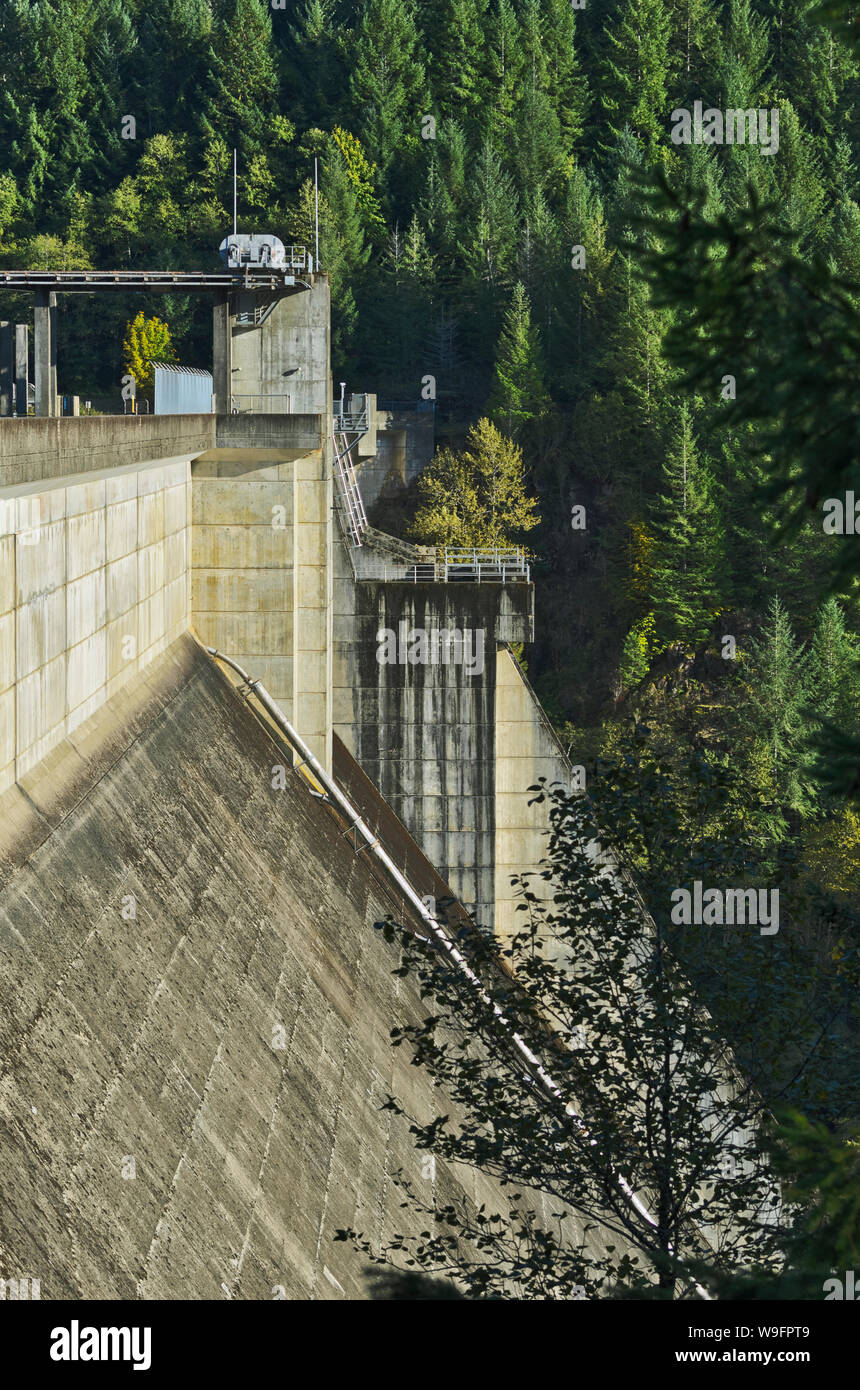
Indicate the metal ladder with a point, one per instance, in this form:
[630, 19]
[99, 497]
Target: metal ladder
[353, 506]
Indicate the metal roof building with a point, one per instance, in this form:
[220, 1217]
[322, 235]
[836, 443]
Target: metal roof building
[182, 390]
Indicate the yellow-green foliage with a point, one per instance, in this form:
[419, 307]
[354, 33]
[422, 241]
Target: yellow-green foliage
[477, 497]
[637, 652]
[640, 545]
[832, 851]
[361, 175]
[146, 341]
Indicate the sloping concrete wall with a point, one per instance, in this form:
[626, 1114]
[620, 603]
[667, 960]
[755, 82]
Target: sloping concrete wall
[194, 1016]
[93, 585]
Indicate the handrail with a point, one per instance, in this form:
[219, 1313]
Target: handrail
[355, 422]
[353, 505]
[481, 566]
[532, 1065]
[260, 396]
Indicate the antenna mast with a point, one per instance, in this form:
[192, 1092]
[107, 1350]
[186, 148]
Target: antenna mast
[317, 211]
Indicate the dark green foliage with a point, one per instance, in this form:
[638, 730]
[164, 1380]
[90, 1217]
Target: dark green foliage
[603, 1003]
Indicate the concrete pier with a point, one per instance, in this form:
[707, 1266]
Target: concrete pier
[22, 368]
[45, 346]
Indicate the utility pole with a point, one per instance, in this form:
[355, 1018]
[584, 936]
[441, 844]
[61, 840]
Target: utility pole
[234, 192]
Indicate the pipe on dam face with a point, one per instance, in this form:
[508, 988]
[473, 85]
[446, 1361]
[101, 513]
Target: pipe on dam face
[534, 1070]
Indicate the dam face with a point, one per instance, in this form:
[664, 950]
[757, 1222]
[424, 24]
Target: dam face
[195, 1008]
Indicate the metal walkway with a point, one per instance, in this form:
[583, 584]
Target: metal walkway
[180, 281]
[475, 566]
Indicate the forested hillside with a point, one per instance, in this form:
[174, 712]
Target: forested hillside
[482, 222]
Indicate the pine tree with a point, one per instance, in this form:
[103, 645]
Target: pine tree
[776, 680]
[244, 85]
[696, 39]
[458, 76]
[166, 97]
[489, 248]
[687, 562]
[505, 61]
[344, 251]
[317, 65]
[564, 81]
[387, 83]
[406, 290]
[832, 672]
[744, 67]
[519, 393]
[634, 84]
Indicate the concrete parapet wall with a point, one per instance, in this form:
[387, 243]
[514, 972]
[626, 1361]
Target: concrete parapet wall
[93, 585]
[268, 432]
[34, 450]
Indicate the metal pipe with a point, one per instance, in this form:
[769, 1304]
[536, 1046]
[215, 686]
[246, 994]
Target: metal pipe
[357, 825]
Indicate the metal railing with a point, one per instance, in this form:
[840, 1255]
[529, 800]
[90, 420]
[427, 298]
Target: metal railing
[351, 423]
[284, 408]
[253, 318]
[353, 514]
[475, 566]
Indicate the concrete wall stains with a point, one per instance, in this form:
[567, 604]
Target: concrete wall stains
[526, 749]
[148, 1039]
[425, 733]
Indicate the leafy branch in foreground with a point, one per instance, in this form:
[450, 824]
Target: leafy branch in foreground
[658, 1107]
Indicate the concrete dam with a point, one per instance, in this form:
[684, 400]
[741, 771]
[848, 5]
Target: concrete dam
[196, 1008]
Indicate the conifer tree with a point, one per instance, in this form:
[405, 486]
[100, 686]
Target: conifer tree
[640, 62]
[387, 82]
[687, 565]
[489, 246]
[505, 61]
[776, 678]
[244, 86]
[457, 71]
[696, 40]
[564, 81]
[317, 65]
[167, 97]
[833, 674]
[519, 393]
